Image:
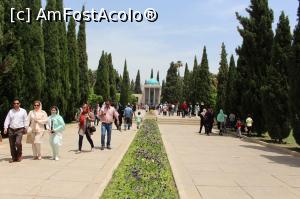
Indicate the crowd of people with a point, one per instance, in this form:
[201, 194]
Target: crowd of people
[36, 123]
[207, 117]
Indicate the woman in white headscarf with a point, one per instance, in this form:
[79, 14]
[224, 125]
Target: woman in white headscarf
[37, 119]
[57, 125]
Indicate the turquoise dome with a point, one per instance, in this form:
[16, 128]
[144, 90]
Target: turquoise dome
[152, 81]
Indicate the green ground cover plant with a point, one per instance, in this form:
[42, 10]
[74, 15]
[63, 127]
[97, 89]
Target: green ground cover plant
[145, 171]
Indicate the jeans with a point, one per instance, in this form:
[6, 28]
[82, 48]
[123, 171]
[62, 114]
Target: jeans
[106, 128]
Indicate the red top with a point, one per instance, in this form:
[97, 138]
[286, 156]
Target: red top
[238, 124]
[184, 106]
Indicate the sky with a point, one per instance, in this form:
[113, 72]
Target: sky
[180, 33]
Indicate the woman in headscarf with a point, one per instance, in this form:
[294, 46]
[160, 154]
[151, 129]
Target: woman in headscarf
[85, 121]
[37, 118]
[56, 126]
[221, 120]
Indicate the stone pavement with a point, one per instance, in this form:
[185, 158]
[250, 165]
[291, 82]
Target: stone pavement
[213, 167]
[81, 176]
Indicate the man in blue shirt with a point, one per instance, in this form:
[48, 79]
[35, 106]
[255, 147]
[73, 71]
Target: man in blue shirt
[128, 113]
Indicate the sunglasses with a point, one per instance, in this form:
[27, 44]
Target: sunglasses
[16, 103]
[36, 105]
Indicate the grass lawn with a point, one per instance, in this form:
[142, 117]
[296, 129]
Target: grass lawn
[144, 172]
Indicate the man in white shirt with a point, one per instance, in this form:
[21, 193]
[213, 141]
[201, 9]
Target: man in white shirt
[15, 126]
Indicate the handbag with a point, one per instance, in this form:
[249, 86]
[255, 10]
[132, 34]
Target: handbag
[92, 129]
[29, 138]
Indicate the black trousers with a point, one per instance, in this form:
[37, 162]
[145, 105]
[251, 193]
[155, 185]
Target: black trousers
[88, 137]
[201, 123]
[15, 142]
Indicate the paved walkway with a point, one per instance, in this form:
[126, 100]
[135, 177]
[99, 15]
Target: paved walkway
[81, 176]
[213, 167]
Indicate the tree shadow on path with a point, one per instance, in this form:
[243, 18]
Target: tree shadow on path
[281, 158]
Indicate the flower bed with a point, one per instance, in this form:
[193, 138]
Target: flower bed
[145, 171]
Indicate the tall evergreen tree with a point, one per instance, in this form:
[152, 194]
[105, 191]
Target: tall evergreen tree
[33, 47]
[52, 60]
[294, 72]
[65, 94]
[73, 69]
[112, 79]
[125, 89]
[83, 62]
[254, 58]
[163, 86]
[102, 83]
[275, 95]
[152, 74]
[186, 84]
[11, 58]
[137, 88]
[222, 80]
[157, 76]
[193, 82]
[171, 92]
[231, 95]
[203, 81]
[132, 86]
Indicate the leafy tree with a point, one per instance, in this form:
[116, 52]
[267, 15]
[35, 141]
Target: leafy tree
[254, 58]
[157, 76]
[222, 80]
[294, 72]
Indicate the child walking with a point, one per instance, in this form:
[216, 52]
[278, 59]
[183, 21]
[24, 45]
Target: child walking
[138, 120]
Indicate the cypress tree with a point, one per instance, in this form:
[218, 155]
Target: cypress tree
[193, 82]
[33, 47]
[231, 95]
[137, 87]
[152, 74]
[125, 89]
[157, 76]
[65, 94]
[203, 81]
[132, 86]
[11, 58]
[73, 69]
[83, 63]
[171, 89]
[163, 90]
[52, 60]
[255, 57]
[112, 79]
[186, 84]
[102, 83]
[294, 72]
[275, 95]
[222, 80]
